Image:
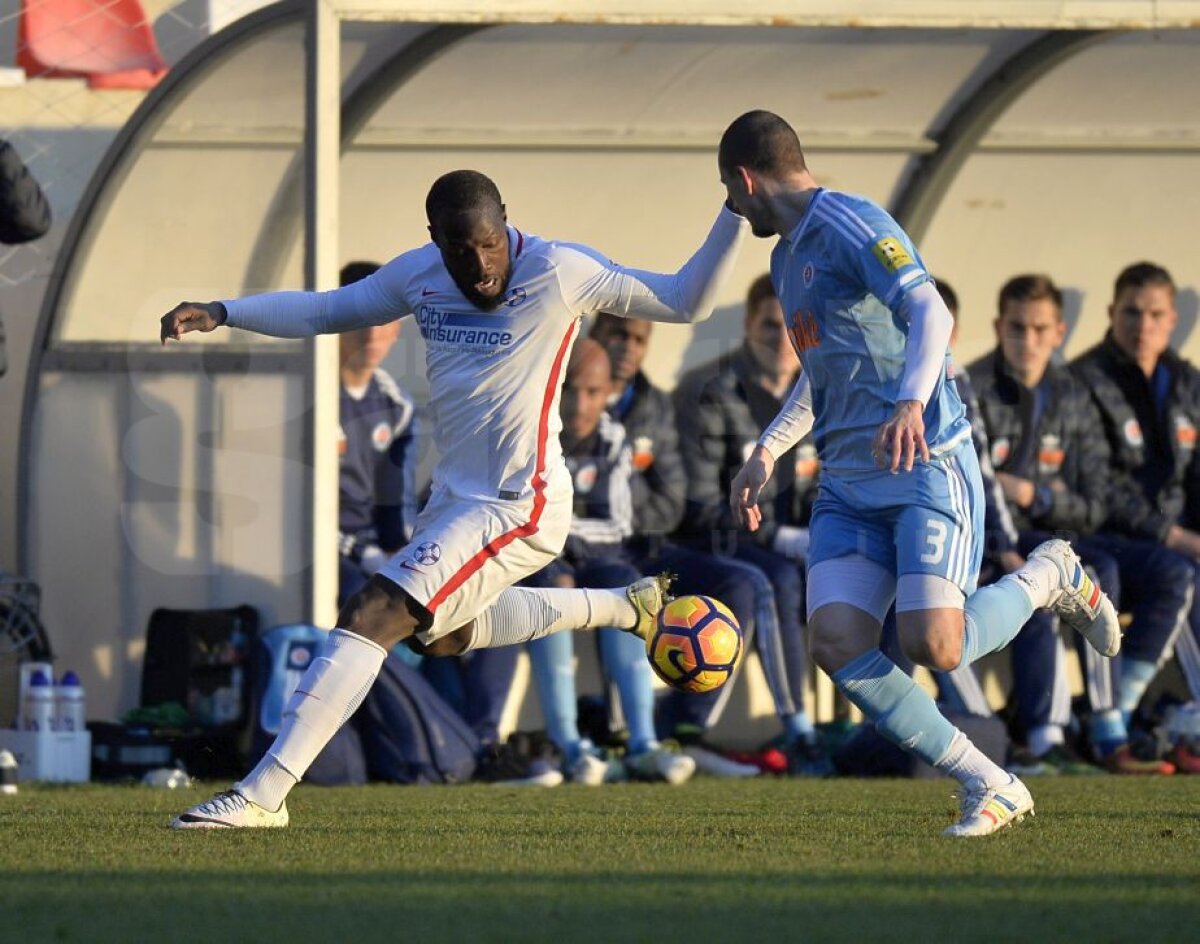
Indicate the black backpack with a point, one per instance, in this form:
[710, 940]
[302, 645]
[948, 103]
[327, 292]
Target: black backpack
[404, 731]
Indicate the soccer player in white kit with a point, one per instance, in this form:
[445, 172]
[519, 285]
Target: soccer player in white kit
[499, 311]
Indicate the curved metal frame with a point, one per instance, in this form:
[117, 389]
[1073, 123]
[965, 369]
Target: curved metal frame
[114, 166]
[285, 219]
[914, 207]
[922, 194]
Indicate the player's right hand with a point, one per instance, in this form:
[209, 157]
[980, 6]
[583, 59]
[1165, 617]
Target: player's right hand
[191, 316]
[743, 492]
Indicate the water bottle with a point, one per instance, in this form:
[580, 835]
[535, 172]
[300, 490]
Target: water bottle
[38, 711]
[68, 704]
[8, 773]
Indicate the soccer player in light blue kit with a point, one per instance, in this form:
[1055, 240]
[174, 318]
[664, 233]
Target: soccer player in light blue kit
[899, 516]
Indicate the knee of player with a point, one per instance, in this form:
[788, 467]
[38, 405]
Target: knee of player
[381, 612]
[452, 644]
[827, 648]
[935, 648]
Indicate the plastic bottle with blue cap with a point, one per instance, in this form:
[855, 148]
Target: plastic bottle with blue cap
[37, 713]
[69, 713]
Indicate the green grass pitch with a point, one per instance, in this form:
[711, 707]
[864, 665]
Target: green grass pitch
[1106, 859]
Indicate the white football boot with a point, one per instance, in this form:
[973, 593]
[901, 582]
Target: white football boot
[715, 764]
[230, 810]
[1082, 605]
[659, 763]
[988, 809]
[592, 771]
[648, 596]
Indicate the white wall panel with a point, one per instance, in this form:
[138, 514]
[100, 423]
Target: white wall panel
[77, 551]
[1080, 218]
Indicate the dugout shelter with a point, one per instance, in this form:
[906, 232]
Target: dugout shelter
[1007, 136]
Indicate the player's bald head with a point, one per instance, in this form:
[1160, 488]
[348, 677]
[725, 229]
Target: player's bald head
[763, 142]
[589, 363]
[462, 192]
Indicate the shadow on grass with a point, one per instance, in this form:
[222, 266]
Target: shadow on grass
[461, 905]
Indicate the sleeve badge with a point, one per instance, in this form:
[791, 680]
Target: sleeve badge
[892, 254]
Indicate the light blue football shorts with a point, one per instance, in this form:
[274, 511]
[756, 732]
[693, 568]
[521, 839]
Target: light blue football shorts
[928, 521]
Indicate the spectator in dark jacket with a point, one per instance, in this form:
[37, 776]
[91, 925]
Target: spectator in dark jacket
[377, 452]
[659, 489]
[1149, 402]
[960, 690]
[596, 555]
[1053, 469]
[24, 211]
[722, 407]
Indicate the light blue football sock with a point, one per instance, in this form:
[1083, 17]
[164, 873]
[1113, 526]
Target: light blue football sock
[902, 711]
[1107, 731]
[552, 659]
[623, 656]
[993, 616]
[798, 726]
[1136, 676]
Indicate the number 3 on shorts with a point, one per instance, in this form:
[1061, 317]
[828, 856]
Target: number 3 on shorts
[935, 541]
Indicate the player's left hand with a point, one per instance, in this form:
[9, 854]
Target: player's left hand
[743, 491]
[902, 438]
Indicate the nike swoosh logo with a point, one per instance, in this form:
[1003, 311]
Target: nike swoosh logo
[427, 291]
[407, 566]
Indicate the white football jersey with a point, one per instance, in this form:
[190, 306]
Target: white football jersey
[495, 376]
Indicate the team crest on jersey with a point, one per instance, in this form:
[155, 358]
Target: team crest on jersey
[892, 254]
[585, 478]
[807, 274]
[1133, 433]
[299, 655]
[381, 437]
[1185, 433]
[643, 453]
[1001, 448]
[427, 553]
[1050, 455]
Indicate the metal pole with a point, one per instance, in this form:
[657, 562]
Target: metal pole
[322, 158]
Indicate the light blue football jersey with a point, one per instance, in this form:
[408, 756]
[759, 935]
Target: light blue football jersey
[841, 276]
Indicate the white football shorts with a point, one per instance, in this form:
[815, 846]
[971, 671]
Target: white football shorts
[464, 552]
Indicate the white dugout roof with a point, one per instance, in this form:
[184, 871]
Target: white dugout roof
[1008, 136]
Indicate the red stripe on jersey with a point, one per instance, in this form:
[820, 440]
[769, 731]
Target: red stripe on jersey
[496, 545]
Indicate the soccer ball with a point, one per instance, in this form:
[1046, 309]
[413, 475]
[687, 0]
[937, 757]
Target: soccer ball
[695, 645]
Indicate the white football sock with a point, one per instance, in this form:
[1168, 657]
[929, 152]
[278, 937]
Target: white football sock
[1041, 581]
[965, 762]
[329, 692]
[524, 613]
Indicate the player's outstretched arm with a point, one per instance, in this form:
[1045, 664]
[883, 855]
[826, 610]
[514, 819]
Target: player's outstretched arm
[375, 300]
[191, 316]
[686, 296]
